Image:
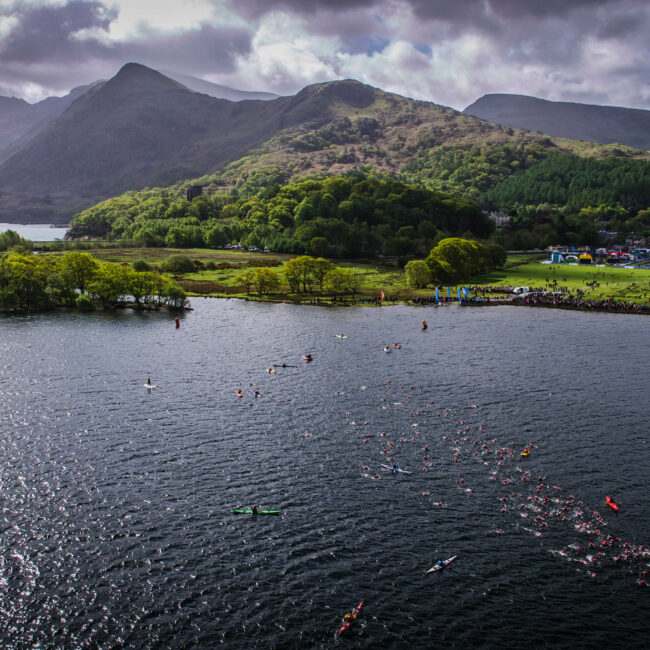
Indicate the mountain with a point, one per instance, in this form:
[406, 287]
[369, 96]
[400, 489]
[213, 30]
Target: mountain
[142, 129]
[19, 119]
[139, 128]
[601, 124]
[217, 90]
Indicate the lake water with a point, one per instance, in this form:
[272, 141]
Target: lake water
[117, 525]
[35, 232]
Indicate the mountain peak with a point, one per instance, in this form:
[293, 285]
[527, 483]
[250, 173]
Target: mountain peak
[136, 74]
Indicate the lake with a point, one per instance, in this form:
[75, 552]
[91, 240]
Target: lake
[38, 232]
[117, 526]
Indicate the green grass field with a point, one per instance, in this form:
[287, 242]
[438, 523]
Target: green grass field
[622, 284]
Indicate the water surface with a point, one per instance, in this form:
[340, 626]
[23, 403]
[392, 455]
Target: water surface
[38, 232]
[117, 528]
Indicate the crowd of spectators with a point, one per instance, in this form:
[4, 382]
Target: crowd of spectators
[546, 299]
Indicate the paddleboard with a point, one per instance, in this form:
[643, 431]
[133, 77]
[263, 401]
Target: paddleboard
[248, 511]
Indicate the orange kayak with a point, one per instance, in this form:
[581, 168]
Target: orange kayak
[349, 619]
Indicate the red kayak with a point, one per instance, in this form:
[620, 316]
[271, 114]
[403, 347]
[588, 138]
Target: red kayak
[307, 357]
[349, 619]
[610, 502]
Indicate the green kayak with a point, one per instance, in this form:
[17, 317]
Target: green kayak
[248, 511]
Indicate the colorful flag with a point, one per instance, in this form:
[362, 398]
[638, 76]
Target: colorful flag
[381, 296]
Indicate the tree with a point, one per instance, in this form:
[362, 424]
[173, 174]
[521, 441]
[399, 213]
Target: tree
[110, 284]
[22, 283]
[248, 279]
[80, 268]
[174, 296]
[462, 258]
[319, 246]
[418, 274]
[336, 281]
[178, 264]
[299, 271]
[141, 265]
[354, 283]
[265, 280]
[10, 239]
[321, 267]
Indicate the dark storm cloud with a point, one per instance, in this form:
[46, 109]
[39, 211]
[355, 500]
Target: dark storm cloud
[482, 15]
[44, 48]
[47, 35]
[204, 50]
[48, 32]
[256, 8]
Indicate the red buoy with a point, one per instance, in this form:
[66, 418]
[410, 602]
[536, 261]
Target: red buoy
[178, 322]
[610, 502]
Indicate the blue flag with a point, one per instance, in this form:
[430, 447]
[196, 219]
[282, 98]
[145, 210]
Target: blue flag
[448, 291]
[437, 297]
[459, 298]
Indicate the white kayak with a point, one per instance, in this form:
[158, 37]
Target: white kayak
[394, 468]
[439, 566]
[149, 386]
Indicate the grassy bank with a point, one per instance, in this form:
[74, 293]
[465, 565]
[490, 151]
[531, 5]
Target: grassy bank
[596, 283]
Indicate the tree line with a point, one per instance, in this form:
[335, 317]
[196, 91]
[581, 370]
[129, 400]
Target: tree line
[350, 216]
[39, 282]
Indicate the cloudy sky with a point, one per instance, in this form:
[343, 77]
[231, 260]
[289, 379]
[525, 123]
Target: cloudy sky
[447, 51]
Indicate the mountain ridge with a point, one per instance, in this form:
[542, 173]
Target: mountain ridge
[142, 129]
[588, 122]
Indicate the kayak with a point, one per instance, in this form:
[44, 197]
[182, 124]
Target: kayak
[610, 502]
[149, 386]
[388, 349]
[349, 619]
[442, 565]
[283, 365]
[525, 453]
[340, 336]
[394, 468]
[248, 511]
[307, 358]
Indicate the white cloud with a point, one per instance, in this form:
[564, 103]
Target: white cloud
[146, 16]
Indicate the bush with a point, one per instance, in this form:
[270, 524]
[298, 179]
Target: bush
[178, 264]
[85, 303]
[141, 265]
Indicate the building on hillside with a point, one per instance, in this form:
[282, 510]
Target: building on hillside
[637, 241]
[193, 191]
[500, 218]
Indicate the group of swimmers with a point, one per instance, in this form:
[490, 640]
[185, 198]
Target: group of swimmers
[536, 509]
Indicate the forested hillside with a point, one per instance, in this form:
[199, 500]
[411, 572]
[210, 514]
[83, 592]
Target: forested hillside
[576, 183]
[340, 216]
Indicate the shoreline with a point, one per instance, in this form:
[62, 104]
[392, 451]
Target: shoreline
[613, 308]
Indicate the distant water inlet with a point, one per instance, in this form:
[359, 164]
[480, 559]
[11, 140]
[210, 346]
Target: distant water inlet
[35, 232]
[117, 523]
